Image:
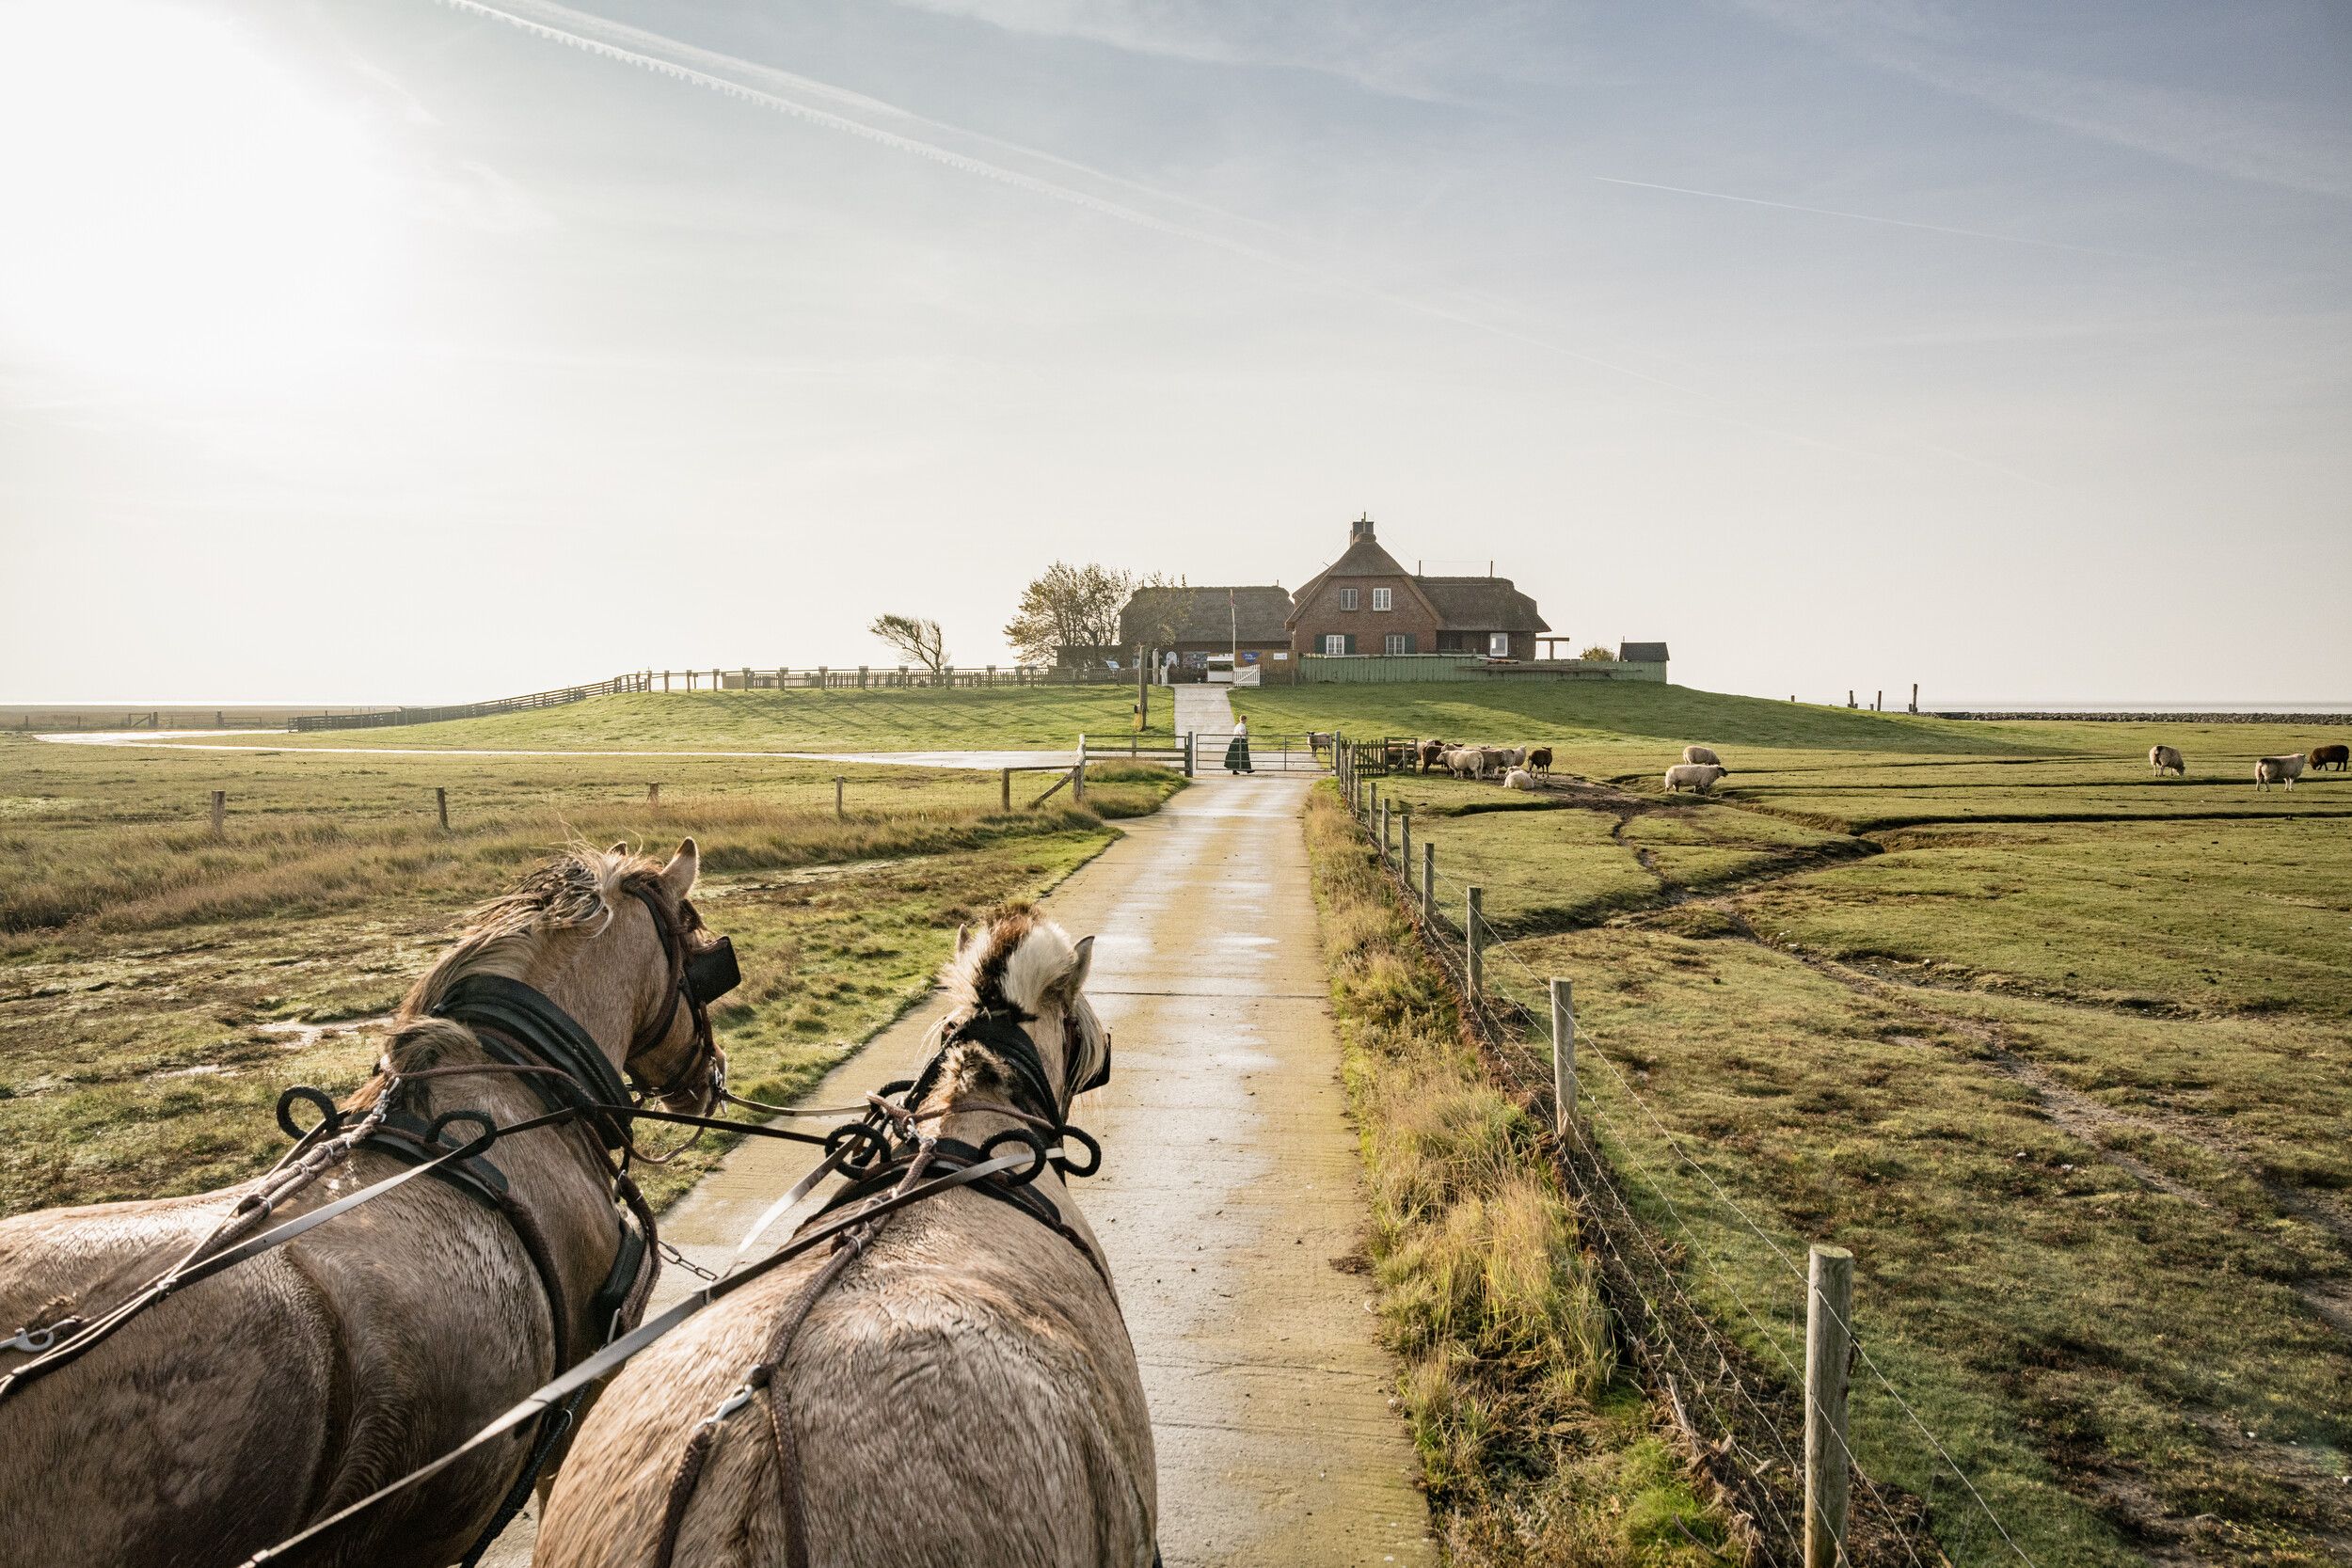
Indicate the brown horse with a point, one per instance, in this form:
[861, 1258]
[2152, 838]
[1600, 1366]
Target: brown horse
[233, 1412]
[958, 1389]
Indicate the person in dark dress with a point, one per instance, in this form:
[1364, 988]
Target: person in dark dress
[1238, 750]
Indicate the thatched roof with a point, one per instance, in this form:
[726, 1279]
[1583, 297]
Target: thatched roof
[1205, 615]
[1481, 604]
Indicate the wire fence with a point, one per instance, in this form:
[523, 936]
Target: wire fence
[1672, 1272]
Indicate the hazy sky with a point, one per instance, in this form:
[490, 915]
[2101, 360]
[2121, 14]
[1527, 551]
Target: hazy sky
[390, 350]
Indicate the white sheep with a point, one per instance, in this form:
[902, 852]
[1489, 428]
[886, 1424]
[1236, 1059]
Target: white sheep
[1699, 776]
[2285, 771]
[1701, 754]
[1518, 778]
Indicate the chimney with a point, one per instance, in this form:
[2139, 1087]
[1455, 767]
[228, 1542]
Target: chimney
[1360, 529]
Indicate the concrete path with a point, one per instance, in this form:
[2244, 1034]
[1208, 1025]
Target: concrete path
[1230, 1201]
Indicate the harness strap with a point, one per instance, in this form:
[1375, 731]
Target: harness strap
[515, 1021]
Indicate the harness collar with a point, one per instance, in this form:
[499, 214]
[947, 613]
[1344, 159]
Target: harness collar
[516, 1022]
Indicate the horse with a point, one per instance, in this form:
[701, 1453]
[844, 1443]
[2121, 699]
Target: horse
[957, 1388]
[238, 1409]
[2166, 759]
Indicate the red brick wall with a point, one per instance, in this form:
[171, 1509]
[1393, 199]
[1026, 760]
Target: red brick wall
[1370, 628]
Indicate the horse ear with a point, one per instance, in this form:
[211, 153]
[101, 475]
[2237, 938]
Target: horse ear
[678, 876]
[620, 847]
[964, 934]
[1074, 977]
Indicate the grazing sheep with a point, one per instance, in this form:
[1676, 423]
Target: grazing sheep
[1518, 778]
[1499, 759]
[1539, 761]
[2165, 759]
[1465, 761]
[1701, 754]
[1700, 776]
[2335, 755]
[2271, 771]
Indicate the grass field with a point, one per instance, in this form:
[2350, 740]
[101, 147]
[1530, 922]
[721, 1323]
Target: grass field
[2063, 1051]
[961, 717]
[159, 986]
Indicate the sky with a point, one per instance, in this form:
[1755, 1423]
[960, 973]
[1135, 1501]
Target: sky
[425, 350]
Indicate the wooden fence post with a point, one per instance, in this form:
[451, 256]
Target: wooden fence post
[653, 796]
[1562, 1055]
[1472, 965]
[1914, 696]
[1384, 836]
[440, 804]
[840, 782]
[1404, 846]
[1828, 1342]
[220, 811]
[1005, 791]
[1429, 883]
[1188, 755]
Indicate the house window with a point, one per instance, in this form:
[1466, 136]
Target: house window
[1499, 645]
[1400, 641]
[1334, 643]
[1380, 599]
[1347, 598]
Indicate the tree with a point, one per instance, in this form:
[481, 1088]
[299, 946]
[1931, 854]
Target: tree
[1068, 607]
[1605, 655]
[920, 640]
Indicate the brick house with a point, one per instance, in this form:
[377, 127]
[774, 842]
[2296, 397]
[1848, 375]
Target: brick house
[1195, 622]
[1366, 603]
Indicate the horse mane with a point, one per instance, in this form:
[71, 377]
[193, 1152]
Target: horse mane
[580, 888]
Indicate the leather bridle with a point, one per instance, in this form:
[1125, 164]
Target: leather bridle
[697, 980]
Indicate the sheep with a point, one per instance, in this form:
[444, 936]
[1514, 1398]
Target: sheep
[2271, 771]
[1701, 754]
[1465, 761]
[1499, 759]
[1539, 761]
[2335, 754]
[1518, 778]
[1433, 754]
[2165, 759]
[1699, 776]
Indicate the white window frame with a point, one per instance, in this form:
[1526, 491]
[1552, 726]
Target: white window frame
[1383, 598]
[1498, 644]
[1334, 644]
[1347, 598]
[1399, 642]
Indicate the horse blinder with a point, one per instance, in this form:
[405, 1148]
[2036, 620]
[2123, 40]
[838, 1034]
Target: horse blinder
[712, 972]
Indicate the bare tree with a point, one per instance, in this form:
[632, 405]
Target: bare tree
[920, 640]
[1068, 607]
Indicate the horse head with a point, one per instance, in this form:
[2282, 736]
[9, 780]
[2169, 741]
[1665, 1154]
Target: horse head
[1023, 967]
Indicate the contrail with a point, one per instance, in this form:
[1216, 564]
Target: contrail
[628, 45]
[1872, 218]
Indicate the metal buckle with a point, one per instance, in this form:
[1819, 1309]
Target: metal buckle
[733, 1402]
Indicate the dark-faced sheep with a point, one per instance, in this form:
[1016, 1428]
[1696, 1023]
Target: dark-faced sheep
[1539, 761]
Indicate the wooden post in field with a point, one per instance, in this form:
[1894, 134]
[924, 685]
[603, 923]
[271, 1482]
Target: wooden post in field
[1079, 775]
[840, 782]
[1429, 883]
[1878, 703]
[1914, 696]
[1404, 846]
[1004, 789]
[1188, 757]
[1850, 702]
[440, 804]
[653, 796]
[1384, 836]
[1562, 1055]
[220, 811]
[1828, 1342]
[1471, 964]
